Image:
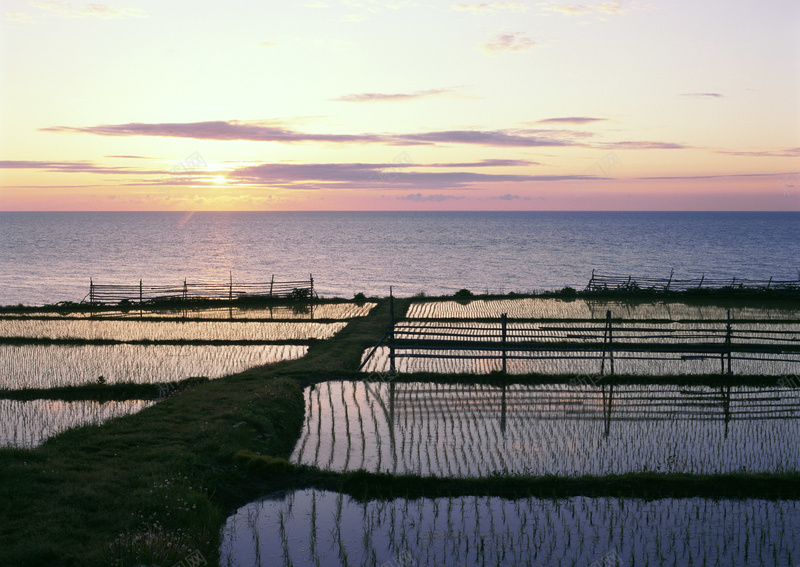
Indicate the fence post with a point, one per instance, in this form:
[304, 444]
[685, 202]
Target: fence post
[311, 281]
[728, 337]
[185, 291]
[230, 289]
[503, 326]
[609, 337]
[671, 273]
[91, 292]
[271, 283]
[391, 332]
[141, 314]
[701, 281]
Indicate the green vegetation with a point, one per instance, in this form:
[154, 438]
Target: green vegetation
[103, 392]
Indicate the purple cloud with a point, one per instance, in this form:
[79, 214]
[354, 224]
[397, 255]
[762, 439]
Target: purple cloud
[435, 198]
[789, 152]
[515, 41]
[67, 167]
[384, 97]
[702, 95]
[572, 120]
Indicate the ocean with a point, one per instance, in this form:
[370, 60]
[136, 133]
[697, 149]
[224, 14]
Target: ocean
[50, 256]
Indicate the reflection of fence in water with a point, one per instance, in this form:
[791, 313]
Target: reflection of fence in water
[473, 430]
[607, 402]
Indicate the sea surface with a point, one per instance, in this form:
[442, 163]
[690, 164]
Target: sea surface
[48, 257]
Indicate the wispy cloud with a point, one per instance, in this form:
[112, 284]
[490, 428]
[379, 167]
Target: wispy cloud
[434, 198]
[789, 152]
[702, 95]
[485, 163]
[509, 42]
[88, 10]
[490, 7]
[363, 176]
[68, 167]
[571, 120]
[506, 197]
[277, 131]
[607, 8]
[391, 97]
[644, 145]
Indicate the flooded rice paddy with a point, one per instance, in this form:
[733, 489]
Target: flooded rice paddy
[554, 429]
[132, 330]
[337, 311]
[551, 308]
[51, 366]
[27, 424]
[326, 529]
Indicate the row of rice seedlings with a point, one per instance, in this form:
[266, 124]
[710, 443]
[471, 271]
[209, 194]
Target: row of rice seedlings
[630, 332]
[126, 330]
[576, 362]
[326, 528]
[467, 431]
[341, 311]
[50, 366]
[551, 308]
[27, 424]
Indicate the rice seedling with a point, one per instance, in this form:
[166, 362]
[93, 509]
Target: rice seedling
[490, 530]
[49, 366]
[27, 424]
[553, 308]
[555, 429]
[132, 331]
[300, 312]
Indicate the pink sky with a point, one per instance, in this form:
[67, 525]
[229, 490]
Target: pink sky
[363, 105]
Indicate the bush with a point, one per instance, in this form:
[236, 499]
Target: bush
[301, 293]
[463, 293]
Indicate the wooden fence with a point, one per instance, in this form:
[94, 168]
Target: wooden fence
[106, 294]
[612, 283]
[606, 343]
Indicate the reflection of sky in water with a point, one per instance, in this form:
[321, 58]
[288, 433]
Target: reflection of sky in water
[27, 424]
[463, 431]
[320, 528]
[48, 366]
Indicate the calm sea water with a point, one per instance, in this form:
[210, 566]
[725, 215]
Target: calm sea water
[49, 257]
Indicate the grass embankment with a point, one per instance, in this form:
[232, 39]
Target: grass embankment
[154, 487]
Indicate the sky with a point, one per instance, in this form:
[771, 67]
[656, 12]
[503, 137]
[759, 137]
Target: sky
[400, 105]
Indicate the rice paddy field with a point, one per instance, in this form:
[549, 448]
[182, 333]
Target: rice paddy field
[55, 365]
[128, 331]
[27, 424]
[551, 308]
[45, 349]
[327, 529]
[553, 429]
[550, 417]
[332, 311]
